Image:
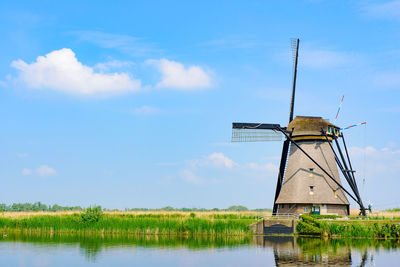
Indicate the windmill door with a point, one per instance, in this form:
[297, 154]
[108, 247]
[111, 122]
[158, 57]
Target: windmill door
[315, 210]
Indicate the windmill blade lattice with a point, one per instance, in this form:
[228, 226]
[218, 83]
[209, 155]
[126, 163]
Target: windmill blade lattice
[255, 132]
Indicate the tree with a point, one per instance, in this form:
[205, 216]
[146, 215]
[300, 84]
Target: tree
[237, 208]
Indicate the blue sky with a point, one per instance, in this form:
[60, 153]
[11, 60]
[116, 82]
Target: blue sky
[130, 104]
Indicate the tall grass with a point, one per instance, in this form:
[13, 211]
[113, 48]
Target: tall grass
[151, 224]
[349, 229]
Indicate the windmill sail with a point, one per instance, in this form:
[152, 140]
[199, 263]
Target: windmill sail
[286, 144]
[295, 53]
[255, 132]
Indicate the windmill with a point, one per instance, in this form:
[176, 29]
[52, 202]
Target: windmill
[308, 178]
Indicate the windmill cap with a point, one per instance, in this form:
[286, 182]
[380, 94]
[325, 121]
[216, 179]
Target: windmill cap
[308, 126]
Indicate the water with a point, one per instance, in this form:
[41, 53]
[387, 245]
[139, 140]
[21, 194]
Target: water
[18, 249]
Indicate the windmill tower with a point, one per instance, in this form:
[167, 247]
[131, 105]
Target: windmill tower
[308, 178]
[305, 189]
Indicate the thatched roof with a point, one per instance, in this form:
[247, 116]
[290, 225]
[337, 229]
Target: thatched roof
[307, 125]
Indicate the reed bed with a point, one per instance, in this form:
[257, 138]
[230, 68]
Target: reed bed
[202, 214]
[162, 223]
[385, 214]
[388, 229]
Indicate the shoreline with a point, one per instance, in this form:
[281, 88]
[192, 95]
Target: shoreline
[210, 224]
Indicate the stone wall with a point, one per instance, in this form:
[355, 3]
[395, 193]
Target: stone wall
[273, 226]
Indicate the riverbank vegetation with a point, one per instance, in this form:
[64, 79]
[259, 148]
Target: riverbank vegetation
[94, 220]
[184, 223]
[363, 228]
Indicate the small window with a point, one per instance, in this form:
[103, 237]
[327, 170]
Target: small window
[311, 172]
[283, 206]
[305, 209]
[311, 190]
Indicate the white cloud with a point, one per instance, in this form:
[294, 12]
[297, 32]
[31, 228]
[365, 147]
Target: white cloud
[175, 75]
[45, 170]
[389, 10]
[190, 177]
[145, 110]
[220, 160]
[379, 162]
[221, 167]
[26, 171]
[323, 58]
[60, 70]
[215, 160]
[372, 152]
[377, 174]
[112, 64]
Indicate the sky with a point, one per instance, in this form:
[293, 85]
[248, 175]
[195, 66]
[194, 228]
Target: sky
[131, 103]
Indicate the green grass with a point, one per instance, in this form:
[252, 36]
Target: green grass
[161, 224]
[349, 229]
[394, 210]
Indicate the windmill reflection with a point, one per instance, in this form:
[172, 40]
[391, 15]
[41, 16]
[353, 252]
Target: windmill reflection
[291, 251]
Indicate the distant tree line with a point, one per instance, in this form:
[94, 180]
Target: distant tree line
[38, 206]
[169, 208]
[394, 210]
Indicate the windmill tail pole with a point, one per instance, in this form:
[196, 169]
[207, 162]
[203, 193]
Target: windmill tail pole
[351, 126]
[337, 113]
[295, 46]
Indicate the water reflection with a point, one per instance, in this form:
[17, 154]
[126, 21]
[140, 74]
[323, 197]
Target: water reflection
[291, 251]
[283, 251]
[91, 245]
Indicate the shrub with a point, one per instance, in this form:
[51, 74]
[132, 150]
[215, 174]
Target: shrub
[308, 229]
[308, 225]
[92, 215]
[310, 220]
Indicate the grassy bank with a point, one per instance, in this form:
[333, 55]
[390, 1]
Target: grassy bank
[309, 225]
[94, 221]
[132, 223]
